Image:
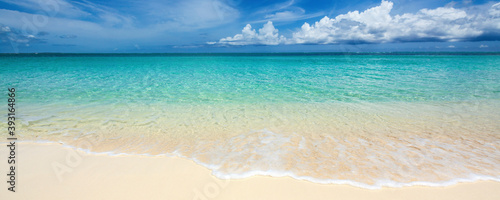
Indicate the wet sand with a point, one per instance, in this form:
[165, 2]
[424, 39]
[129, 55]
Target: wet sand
[53, 171]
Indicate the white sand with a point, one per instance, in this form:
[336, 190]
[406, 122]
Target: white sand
[85, 176]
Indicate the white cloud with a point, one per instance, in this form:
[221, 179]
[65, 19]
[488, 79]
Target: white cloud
[282, 12]
[275, 7]
[94, 23]
[72, 10]
[495, 10]
[5, 29]
[285, 14]
[377, 25]
[267, 35]
[293, 14]
[107, 25]
[85, 31]
[483, 46]
[184, 15]
[105, 16]
[50, 7]
[152, 18]
[201, 12]
[451, 46]
[189, 14]
[7, 35]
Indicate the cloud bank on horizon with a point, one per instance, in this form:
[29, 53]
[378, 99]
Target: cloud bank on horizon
[377, 25]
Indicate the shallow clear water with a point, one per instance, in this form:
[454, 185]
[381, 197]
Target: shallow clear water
[369, 120]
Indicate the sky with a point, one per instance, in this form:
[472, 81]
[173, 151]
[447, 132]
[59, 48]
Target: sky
[209, 26]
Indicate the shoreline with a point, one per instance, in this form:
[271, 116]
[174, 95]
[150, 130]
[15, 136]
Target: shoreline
[51, 170]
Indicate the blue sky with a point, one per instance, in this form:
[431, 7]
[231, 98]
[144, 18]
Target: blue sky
[119, 26]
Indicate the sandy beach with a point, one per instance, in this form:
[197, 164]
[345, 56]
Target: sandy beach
[53, 171]
[235, 100]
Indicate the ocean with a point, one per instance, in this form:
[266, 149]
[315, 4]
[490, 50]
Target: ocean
[366, 119]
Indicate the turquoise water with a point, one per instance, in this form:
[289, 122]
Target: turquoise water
[247, 79]
[368, 120]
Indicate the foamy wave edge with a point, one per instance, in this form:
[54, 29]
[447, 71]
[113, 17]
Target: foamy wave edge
[378, 185]
[280, 174]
